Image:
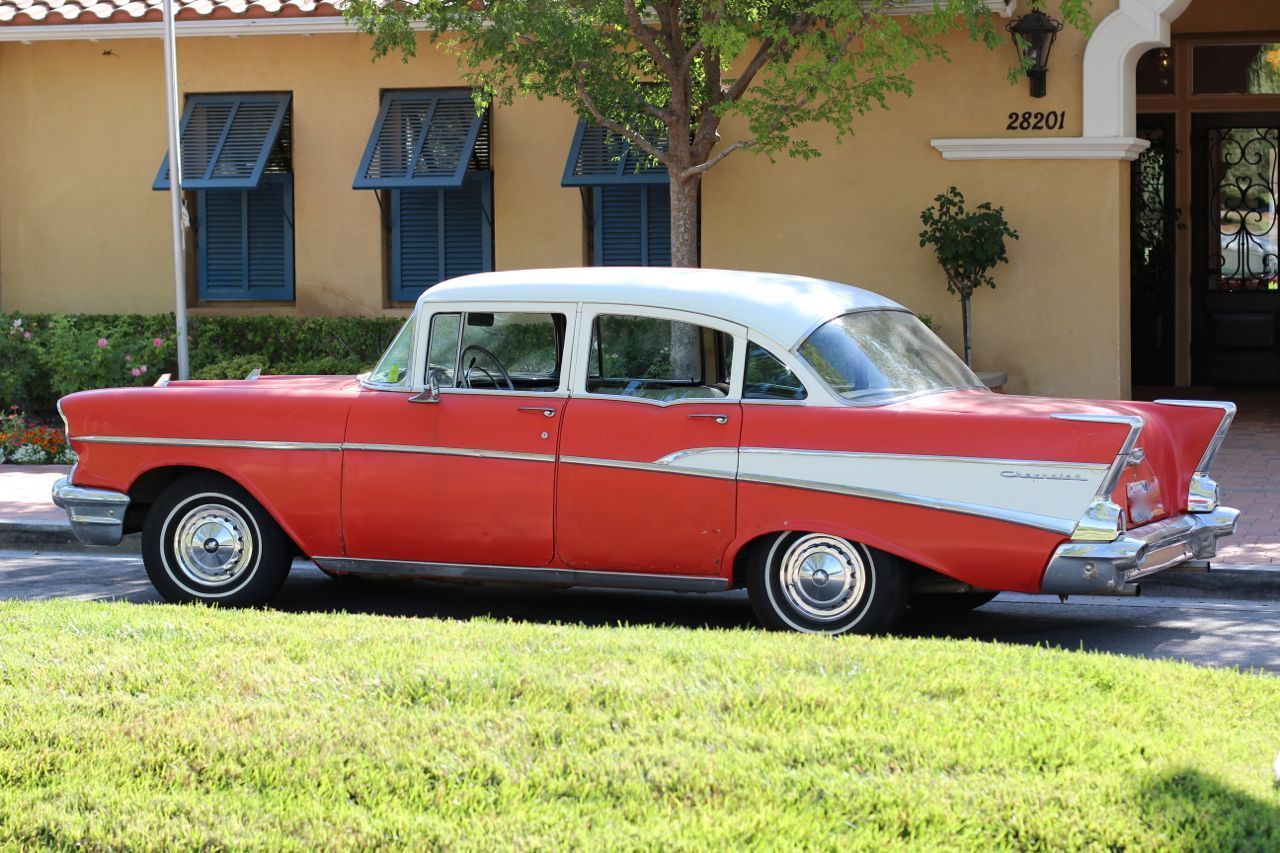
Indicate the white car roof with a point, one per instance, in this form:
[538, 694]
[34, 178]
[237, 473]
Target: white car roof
[784, 307]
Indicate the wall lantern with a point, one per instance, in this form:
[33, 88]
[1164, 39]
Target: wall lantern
[1033, 36]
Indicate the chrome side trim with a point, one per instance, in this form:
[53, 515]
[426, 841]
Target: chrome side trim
[317, 445]
[910, 457]
[673, 458]
[1103, 519]
[1220, 435]
[211, 442]
[1026, 519]
[475, 453]
[521, 574]
[652, 467]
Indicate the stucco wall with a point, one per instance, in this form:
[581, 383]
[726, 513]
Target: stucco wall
[81, 136]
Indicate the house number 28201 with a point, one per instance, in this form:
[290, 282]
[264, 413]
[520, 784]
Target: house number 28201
[1037, 121]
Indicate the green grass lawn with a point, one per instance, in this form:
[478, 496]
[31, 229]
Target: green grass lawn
[156, 726]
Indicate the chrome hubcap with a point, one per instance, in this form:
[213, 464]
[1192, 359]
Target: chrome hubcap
[213, 544]
[822, 577]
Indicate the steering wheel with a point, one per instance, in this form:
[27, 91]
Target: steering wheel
[466, 371]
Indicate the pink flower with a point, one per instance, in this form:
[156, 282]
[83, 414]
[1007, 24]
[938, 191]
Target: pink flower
[128, 357]
[136, 372]
[26, 336]
[102, 343]
[157, 342]
[144, 368]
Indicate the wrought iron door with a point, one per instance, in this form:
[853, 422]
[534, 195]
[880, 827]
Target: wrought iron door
[1151, 257]
[1235, 254]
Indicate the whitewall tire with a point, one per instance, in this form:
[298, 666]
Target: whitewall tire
[817, 583]
[206, 539]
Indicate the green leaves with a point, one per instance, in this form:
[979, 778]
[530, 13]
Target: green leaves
[690, 64]
[967, 243]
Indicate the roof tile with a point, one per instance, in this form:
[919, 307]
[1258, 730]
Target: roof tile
[16, 13]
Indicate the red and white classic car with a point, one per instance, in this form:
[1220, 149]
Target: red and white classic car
[688, 430]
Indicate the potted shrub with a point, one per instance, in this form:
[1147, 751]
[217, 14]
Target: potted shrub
[968, 244]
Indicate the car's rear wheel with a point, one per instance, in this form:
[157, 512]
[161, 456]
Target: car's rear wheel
[206, 539]
[823, 584]
[949, 603]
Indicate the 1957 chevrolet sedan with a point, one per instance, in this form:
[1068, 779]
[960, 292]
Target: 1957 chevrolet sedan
[689, 430]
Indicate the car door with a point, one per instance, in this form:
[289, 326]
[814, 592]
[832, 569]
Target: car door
[649, 444]
[468, 478]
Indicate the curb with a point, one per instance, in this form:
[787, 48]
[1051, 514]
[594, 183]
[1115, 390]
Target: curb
[52, 536]
[1239, 582]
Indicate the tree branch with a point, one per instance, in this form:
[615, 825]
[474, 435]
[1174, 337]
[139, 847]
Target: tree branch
[648, 37]
[767, 51]
[632, 136]
[737, 146]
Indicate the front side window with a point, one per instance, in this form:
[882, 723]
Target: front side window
[657, 359]
[502, 351]
[876, 356]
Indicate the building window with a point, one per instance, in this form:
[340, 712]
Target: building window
[428, 160]
[626, 197]
[237, 169]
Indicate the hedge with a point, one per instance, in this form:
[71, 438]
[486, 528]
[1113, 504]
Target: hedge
[47, 356]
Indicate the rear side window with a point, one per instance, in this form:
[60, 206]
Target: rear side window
[768, 378]
[653, 358]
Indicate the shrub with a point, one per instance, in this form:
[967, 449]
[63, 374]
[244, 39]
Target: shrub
[49, 356]
[24, 444]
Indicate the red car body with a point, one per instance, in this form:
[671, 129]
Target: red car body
[972, 490]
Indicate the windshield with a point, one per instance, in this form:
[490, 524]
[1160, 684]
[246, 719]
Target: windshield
[873, 356]
[393, 367]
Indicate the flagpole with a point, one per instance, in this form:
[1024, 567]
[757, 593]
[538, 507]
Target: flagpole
[175, 188]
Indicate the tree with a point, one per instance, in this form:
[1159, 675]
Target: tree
[968, 245]
[668, 76]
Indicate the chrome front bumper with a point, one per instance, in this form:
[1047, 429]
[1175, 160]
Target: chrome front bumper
[1105, 568]
[97, 515]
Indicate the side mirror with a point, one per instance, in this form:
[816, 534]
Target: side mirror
[430, 394]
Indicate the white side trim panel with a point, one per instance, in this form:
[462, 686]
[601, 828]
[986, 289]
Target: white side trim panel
[1045, 490]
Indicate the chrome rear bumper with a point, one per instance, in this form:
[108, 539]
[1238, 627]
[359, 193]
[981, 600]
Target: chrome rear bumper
[1105, 568]
[96, 515]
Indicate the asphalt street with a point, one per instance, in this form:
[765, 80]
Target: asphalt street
[1243, 634]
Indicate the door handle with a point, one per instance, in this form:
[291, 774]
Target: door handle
[720, 419]
[542, 410]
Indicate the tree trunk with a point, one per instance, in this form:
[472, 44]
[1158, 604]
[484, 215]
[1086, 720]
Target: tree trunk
[684, 221]
[686, 343]
[968, 329]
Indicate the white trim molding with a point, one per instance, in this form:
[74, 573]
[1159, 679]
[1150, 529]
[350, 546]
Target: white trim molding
[1042, 148]
[1110, 93]
[1111, 63]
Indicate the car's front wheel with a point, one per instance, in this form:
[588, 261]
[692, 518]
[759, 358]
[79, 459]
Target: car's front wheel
[823, 584]
[206, 539]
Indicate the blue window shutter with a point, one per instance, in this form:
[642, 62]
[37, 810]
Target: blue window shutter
[245, 242]
[226, 140]
[438, 234]
[657, 226]
[632, 226]
[598, 156]
[420, 139]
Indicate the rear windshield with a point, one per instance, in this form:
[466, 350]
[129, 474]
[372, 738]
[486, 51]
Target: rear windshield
[876, 356]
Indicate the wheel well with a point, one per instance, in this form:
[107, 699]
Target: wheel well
[149, 486]
[742, 563]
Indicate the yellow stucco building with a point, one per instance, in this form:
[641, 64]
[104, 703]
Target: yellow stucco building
[83, 130]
